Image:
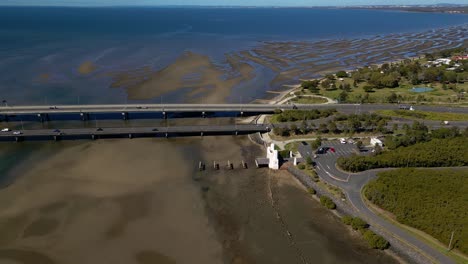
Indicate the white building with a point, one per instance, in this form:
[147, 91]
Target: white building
[376, 142]
[272, 155]
[443, 61]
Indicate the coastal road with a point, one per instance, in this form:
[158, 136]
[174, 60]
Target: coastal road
[256, 108]
[352, 185]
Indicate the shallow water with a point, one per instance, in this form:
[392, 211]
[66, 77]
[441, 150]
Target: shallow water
[144, 201]
[70, 56]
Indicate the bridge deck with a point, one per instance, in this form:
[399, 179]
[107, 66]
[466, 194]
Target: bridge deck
[77, 133]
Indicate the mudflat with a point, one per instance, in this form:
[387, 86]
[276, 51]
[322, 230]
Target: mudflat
[144, 201]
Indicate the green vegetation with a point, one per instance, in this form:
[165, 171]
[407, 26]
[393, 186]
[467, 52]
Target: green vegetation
[284, 153]
[435, 153]
[301, 166]
[348, 124]
[434, 201]
[312, 191]
[358, 224]
[347, 219]
[425, 115]
[392, 82]
[375, 241]
[327, 202]
[309, 100]
[295, 115]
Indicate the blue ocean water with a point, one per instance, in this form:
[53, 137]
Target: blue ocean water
[39, 40]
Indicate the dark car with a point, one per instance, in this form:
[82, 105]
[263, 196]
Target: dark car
[321, 151]
[155, 129]
[57, 131]
[99, 129]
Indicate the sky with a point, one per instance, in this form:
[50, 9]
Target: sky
[220, 2]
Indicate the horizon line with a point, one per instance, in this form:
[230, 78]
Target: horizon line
[241, 6]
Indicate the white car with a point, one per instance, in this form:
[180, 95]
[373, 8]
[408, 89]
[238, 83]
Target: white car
[17, 133]
[342, 141]
[5, 130]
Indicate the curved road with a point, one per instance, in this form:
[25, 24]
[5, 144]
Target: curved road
[352, 184]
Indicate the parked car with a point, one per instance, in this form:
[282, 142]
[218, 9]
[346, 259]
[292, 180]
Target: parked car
[5, 130]
[342, 141]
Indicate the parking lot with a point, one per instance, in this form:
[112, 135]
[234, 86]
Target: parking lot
[326, 163]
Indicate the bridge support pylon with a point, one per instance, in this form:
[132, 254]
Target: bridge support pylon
[84, 116]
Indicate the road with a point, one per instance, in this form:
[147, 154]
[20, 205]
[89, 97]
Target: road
[256, 108]
[352, 185]
[74, 133]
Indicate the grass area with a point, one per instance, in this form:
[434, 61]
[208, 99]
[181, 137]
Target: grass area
[292, 146]
[433, 201]
[437, 95]
[309, 100]
[437, 116]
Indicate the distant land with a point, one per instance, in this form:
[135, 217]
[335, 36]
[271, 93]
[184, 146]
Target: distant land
[438, 8]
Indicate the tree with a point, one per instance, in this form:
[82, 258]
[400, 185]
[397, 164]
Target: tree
[323, 128]
[358, 224]
[330, 77]
[327, 202]
[359, 144]
[392, 98]
[293, 128]
[309, 160]
[332, 127]
[343, 96]
[347, 219]
[347, 87]
[389, 81]
[368, 89]
[326, 84]
[375, 241]
[316, 143]
[341, 74]
[304, 127]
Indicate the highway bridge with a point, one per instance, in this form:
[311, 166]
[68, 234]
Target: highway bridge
[153, 111]
[131, 132]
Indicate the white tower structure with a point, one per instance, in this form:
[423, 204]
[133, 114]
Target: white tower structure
[272, 155]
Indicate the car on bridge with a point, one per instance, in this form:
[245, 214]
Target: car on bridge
[5, 130]
[17, 132]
